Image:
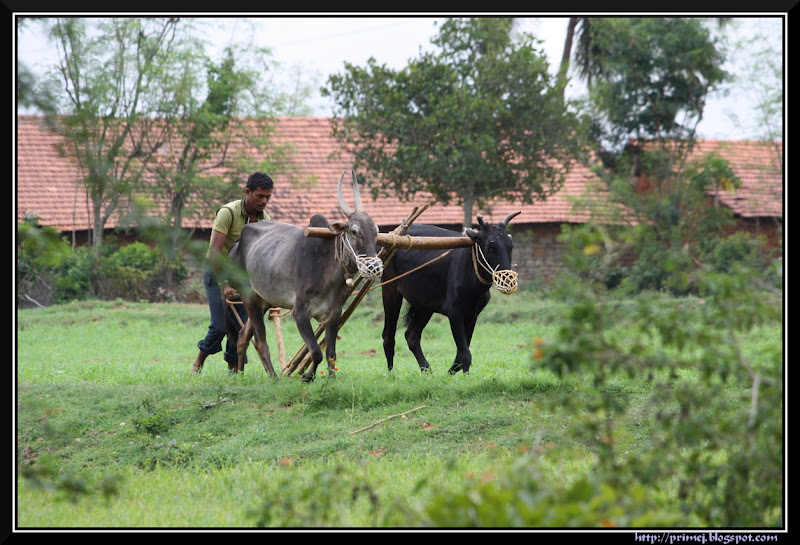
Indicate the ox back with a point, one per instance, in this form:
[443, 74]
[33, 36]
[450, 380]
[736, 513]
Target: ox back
[453, 286]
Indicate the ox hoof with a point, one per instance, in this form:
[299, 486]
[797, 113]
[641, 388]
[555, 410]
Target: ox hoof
[307, 377]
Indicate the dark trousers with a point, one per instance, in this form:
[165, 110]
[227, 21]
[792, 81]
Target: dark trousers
[217, 330]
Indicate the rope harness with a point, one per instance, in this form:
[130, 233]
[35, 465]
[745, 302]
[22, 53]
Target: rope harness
[367, 267]
[504, 280]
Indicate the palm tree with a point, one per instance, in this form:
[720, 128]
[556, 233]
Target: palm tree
[588, 57]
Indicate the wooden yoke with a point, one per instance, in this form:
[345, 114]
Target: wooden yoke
[402, 241]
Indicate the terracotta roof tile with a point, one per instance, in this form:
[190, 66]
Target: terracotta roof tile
[48, 184]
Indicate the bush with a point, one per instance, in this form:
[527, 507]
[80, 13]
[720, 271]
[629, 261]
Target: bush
[50, 271]
[725, 471]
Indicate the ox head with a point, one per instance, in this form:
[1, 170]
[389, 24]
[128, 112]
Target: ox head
[491, 254]
[357, 239]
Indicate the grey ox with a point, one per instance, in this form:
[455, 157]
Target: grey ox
[306, 274]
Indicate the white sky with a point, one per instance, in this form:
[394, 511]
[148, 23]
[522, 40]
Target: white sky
[319, 46]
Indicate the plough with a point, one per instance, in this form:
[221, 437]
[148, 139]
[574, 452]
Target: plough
[389, 243]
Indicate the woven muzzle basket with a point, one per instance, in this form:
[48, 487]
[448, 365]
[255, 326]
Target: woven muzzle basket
[505, 281]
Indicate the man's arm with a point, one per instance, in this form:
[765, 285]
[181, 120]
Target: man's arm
[217, 242]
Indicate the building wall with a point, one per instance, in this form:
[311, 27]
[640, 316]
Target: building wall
[537, 252]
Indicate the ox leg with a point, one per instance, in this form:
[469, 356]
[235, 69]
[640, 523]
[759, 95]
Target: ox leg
[463, 355]
[469, 329]
[303, 321]
[331, 331]
[255, 322]
[417, 320]
[392, 301]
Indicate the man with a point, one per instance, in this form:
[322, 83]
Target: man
[228, 224]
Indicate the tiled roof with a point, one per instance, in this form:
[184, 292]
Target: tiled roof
[756, 164]
[48, 184]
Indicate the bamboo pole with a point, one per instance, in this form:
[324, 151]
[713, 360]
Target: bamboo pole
[405, 242]
[275, 316]
[302, 358]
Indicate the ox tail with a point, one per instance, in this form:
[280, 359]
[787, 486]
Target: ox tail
[408, 315]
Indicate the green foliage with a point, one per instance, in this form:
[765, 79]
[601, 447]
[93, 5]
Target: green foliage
[135, 272]
[523, 497]
[132, 271]
[73, 279]
[38, 248]
[719, 436]
[316, 501]
[483, 118]
[153, 420]
[678, 229]
[651, 419]
[651, 75]
[738, 249]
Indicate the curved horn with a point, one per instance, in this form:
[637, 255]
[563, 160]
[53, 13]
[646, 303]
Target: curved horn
[356, 196]
[511, 216]
[343, 205]
[481, 221]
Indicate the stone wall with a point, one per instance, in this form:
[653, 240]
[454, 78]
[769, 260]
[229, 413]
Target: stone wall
[537, 251]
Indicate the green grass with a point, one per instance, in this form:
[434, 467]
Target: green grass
[114, 431]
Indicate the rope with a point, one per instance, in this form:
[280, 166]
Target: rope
[476, 261]
[239, 319]
[407, 237]
[398, 277]
[504, 280]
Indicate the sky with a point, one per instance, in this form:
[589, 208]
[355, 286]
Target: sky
[319, 46]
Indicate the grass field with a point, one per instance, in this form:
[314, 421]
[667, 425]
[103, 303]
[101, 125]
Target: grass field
[114, 431]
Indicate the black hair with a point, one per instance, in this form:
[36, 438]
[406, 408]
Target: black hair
[259, 180]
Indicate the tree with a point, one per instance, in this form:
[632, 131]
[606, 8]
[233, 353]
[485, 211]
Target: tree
[150, 117]
[108, 81]
[650, 80]
[479, 119]
[198, 166]
[654, 75]
[762, 77]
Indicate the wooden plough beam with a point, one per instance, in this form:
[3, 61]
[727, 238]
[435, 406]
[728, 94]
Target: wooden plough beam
[390, 242]
[403, 241]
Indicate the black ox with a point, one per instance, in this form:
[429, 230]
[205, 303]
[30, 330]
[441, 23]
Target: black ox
[456, 286]
[306, 274]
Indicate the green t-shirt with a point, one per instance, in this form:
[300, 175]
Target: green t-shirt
[230, 220]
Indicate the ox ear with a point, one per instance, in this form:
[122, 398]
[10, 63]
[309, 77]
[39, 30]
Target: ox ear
[474, 235]
[338, 227]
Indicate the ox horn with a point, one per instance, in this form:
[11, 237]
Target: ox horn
[481, 221]
[343, 205]
[511, 216]
[356, 196]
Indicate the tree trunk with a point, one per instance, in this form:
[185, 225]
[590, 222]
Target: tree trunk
[565, 56]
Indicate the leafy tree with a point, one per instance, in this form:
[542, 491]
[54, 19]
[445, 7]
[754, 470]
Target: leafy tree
[762, 78]
[151, 118]
[652, 76]
[650, 79]
[109, 79]
[480, 118]
[197, 168]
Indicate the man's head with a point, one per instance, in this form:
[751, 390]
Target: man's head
[257, 192]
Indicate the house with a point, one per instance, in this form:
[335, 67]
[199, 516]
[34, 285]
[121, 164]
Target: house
[49, 185]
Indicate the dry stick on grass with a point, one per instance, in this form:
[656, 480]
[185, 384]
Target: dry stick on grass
[387, 418]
